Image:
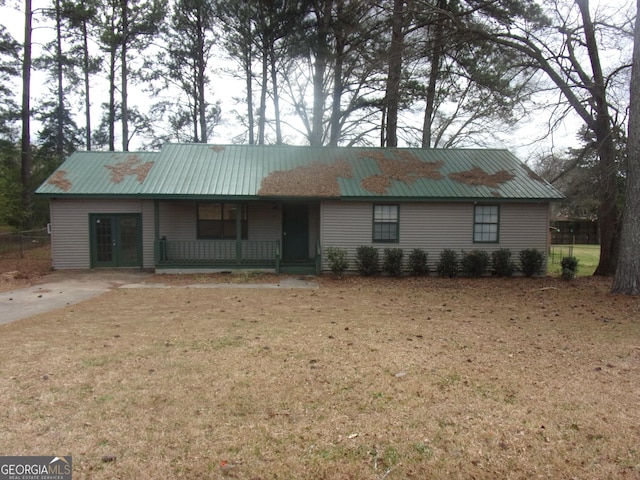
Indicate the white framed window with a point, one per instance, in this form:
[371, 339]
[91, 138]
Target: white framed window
[386, 223]
[486, 224]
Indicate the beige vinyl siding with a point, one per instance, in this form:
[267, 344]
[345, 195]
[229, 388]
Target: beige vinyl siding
[70, 237]
[265, 222]
[432, 227]
[177, 220]
[524, 226]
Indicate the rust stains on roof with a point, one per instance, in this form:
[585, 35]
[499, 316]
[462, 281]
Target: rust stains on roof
[478, 177]
[131, 166]
[403, 167]
[314, 180]
[59, 179]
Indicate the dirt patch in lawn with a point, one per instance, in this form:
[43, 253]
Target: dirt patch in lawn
[359, 378]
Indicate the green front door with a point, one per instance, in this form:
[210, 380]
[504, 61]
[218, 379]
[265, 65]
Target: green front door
[295, 232]
[116, 240]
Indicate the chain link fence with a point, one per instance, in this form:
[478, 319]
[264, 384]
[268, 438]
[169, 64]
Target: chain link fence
[558, 252]
[14, 245]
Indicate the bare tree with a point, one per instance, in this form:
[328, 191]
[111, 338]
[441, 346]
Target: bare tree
[568, 53]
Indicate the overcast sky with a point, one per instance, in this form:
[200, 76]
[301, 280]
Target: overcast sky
[524, 142]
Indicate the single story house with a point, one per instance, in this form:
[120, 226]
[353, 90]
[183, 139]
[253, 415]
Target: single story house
[193, 207]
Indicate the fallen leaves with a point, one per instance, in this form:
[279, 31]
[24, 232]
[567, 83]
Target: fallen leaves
[314, 180]
[131, 166]
[478, 177]
[59, 179]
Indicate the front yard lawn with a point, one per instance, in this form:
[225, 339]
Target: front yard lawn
[361, 378]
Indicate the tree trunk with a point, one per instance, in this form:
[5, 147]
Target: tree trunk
[113, 52]
[319, 71]
[608, 211]
[25, 170]
[85, 64]
[627, 278]
[123, 61]
[248, 74]
[436, 60]
[337, 94]
[323, 18]
[202, 111]
[60, 110]
[392, 95]
[276, 93]
[607, 208]
[383, 125]
[431, 96]
[262, 121]
[112, 98]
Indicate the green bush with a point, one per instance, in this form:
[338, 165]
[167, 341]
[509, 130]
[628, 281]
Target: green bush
[474, 263]
[501, 262]
[418, 262]
[448, 265]
[569, 267]
[367, 260]
[392, 261]
[338, 261]
[531, 262]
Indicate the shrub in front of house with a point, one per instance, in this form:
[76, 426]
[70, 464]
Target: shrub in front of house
[367, 260]
[569, 268]
[531, 262]
[501, 263]
[448, 265]
[474, 263]
[418, 262]
[392, 261]
[338, 261]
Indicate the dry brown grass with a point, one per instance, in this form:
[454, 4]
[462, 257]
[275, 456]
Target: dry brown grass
[361, 378]
[18, 272]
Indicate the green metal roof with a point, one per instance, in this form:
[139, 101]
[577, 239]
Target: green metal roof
[249, 171]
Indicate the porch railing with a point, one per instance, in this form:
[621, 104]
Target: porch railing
[217, 253]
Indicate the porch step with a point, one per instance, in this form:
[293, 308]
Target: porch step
[298, 268]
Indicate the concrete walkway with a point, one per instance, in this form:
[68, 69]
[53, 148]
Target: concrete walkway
[64, 288]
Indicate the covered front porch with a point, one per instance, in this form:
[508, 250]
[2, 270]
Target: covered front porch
[218, 235]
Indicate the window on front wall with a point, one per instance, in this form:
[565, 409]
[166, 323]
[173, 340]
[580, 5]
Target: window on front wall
[385, 223]
[486, 223]
[218, 220]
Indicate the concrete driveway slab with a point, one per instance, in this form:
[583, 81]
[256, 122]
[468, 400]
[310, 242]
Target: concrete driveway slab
[61, 289]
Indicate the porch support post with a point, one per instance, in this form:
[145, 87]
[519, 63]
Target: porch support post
[156, 231]
[239, 213]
